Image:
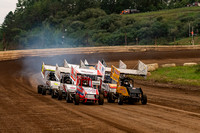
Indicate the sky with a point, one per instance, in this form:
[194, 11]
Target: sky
[5, 7]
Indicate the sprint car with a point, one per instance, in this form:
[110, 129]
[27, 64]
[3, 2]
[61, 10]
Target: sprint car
[49, 80]
[85, 92]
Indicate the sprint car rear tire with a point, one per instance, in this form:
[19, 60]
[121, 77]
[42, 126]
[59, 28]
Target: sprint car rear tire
[101, 99]
[120, 99]
[76, 99]
[59, 95]
[39, 88]
[43, 91]
[110, 97]
[144, 99]
[53, 94]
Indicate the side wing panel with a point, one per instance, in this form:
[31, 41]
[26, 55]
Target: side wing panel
[86, 62]
[57, 73]
[122, 65]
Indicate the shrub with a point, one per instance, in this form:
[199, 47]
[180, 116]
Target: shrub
[91, 13]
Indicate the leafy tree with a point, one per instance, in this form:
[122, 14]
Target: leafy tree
[81, 5]
[60, 23]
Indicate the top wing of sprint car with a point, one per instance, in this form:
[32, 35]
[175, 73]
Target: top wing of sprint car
[47, 68]
[61, 70]
[140, 71]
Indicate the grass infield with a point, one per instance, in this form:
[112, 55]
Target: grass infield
[182, 75]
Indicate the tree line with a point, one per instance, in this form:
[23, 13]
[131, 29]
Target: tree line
[71, 23]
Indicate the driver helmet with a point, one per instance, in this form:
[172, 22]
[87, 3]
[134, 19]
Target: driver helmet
[67, 80]
[126, 82]
[85, 82]
[51, 74]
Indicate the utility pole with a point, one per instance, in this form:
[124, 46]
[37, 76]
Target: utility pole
[87, 39]
[136, 40]
[174, 40]
[189, 29]
[192, 36]
[125, 38]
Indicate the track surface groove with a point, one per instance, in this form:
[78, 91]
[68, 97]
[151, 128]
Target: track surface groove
[23, 110]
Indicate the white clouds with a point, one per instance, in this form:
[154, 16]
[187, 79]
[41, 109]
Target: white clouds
[5, 7]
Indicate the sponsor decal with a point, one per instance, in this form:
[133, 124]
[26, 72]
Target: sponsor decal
[101, 68]
[123, 90]
[113, 86]
[80, 91]
[90, 91]
[87, 72]
[115, 73]
[73, 73]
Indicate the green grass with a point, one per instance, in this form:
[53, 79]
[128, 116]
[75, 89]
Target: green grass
[182, 75]
[187, 41]
[168, 15]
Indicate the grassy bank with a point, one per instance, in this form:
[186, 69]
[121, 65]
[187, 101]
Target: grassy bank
[186, 41]
[168, 15]
[182, 75]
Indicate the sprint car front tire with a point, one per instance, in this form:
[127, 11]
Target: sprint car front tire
[110, 97]
[120, 99]
[68, 98]
[53, 94]
[43, 91]
[49, 91]
[101, 99]
[76, 99]
[144, 99]
[39, 88]
[59, 95]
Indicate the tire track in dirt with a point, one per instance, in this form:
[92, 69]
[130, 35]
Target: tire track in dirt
[114, 124]
[172, 97]
[27, 91]
[153, 114]
[177, 110]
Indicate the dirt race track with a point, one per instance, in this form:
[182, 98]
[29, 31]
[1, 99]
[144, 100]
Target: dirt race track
[23, 110]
